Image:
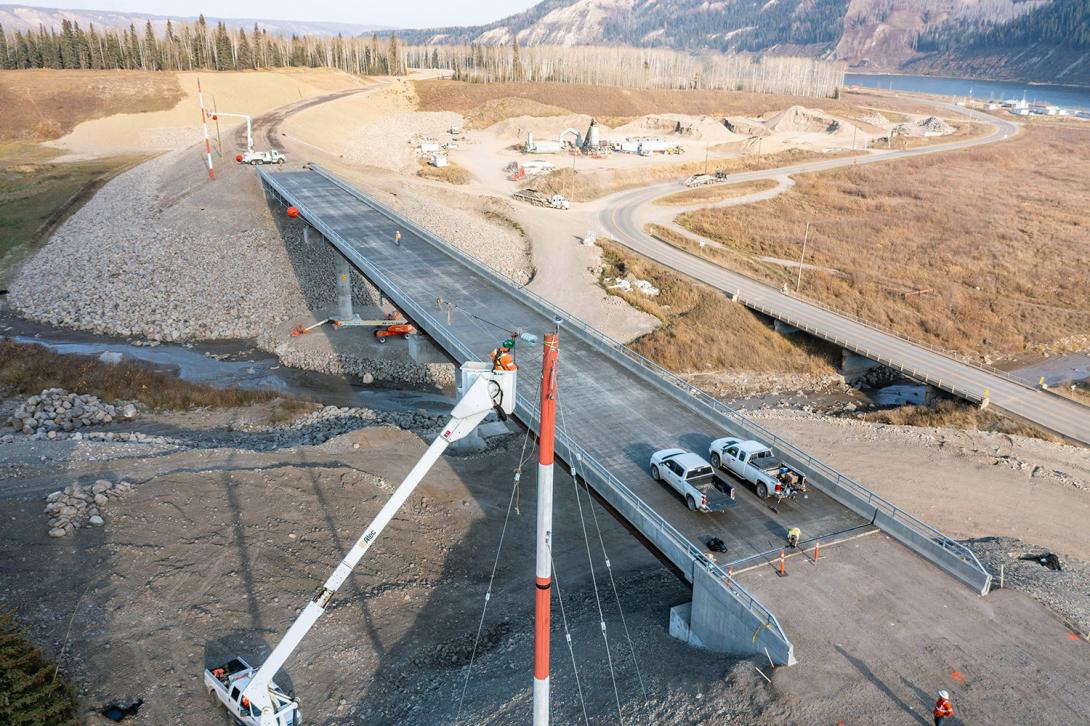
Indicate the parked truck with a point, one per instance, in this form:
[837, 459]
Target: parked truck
[540, 199]
[757, 464]
[227, 683]
[692, 478]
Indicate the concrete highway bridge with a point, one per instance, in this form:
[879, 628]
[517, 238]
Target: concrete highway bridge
[615, 409]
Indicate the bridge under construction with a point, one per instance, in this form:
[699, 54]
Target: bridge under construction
[615, 409]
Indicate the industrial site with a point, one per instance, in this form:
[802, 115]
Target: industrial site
[391, 394]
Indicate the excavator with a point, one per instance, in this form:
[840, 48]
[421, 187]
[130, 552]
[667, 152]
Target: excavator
[249, 694]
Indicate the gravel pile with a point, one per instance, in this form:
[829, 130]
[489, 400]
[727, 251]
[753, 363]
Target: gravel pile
[1066, 591]
[56, 414]
[131, 262]
[500, 247]
[79, 506]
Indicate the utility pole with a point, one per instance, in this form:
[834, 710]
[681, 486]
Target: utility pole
[805, 236]
[215, 115]
[543, 570]
[204, 123]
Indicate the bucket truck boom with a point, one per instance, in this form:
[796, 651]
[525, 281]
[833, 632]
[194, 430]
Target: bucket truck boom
[249, 694]
[251, 156]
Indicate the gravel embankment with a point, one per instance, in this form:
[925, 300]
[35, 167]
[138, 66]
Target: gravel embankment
[1065, 591]
[158, 254]
[496, 244]
[127, 263]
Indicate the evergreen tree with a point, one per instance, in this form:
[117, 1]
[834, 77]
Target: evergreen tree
[245, 55]
[5, 60]
[152, 59]
[134, 57]
[68, 56]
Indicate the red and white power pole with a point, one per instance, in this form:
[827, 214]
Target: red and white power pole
[543, 571]
[204, 123]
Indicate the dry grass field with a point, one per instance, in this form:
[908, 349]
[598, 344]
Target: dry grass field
[957, 415]
[451, 173]
[714, 193]
[702, 330]
[983, 250]
[37, 105]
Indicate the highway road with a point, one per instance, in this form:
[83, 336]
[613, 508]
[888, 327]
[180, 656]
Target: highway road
[623, 216]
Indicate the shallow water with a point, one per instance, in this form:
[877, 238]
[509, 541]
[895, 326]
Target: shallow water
[236, 364]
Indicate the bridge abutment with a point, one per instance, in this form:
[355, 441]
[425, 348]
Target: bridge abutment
[716, 620]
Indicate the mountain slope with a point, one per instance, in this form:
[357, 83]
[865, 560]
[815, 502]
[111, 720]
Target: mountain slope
[24, 17]
[1028, 39]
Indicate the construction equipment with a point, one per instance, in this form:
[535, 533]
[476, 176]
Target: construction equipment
[251, 696]
[540, 199]
[699, 180]
[252, 157]
[391, 326]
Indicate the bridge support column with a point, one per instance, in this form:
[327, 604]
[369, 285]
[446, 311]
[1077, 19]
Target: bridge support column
[344, 286]
[783, 328]
[718, 621]
[854, 366]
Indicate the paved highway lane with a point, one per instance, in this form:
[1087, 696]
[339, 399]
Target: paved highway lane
[622, 219]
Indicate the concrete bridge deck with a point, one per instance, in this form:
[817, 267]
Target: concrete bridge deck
[615, 409]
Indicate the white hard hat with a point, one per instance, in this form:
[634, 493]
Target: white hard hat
[944, 694]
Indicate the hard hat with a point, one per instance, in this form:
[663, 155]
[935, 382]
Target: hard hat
[509, 343]
[944, 694]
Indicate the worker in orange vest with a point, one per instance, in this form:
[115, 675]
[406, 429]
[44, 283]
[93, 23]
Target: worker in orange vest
[502, 357]
[397, 237]
[943, 708]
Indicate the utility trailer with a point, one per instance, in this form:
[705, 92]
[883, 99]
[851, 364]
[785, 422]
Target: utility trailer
[692, 478]
[540, 199]
[757, 464]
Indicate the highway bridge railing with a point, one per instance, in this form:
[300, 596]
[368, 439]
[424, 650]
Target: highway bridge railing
[674, 545]
[947, 553]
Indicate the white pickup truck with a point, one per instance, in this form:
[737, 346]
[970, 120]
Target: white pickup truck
[692, 478]
[754, 462]
[225, 685]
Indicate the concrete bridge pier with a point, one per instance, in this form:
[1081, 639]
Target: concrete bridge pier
[783, 328]
[716, 620]
[344, 286]
[853, 365]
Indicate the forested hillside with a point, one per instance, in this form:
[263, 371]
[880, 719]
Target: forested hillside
[748, 25]
[183, 47]
[1061, 23]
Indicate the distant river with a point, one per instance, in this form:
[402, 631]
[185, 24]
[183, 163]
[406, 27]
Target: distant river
[1065, 96]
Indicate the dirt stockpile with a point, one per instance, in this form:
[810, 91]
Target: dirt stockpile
[385, 142]
[544, 128]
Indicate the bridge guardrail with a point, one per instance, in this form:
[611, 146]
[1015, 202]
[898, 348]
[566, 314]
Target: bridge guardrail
[954, 557]
[578, 458]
